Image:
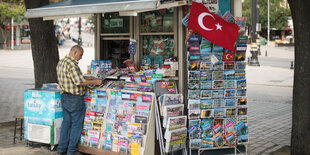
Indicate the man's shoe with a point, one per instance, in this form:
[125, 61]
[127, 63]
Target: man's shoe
[61, 153]
[76, 153]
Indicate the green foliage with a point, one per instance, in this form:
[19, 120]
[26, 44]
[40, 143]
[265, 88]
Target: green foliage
[278, 14]
[11, 9]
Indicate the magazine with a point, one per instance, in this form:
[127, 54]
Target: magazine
[218, 65]
[230, 102]
[219, 112]
[217, 75]
[242, 128]
[176, 122]
[207, 143]
[193, 113]
[193, 84]
[206, 104]
[218, 103]
[230, 139]
[229, 65]
[206, 94]
[241, 102]
[229, 84]
[193, 75]
[230, 112]
[194, 94]
[205, 65]
[194, 65]
[230, 93]
[206, 75]
[240, 65]
[242, 111]
[206, 113]
[241, 92]
[141, 119]
[217, 94]
[241, 83]
[218, 129]
[218, 84]
[206, 84]
[193, 104]
[195, 143]
[143, 108]
[194, 132]
[207, 130]
[239, 74]
[219, 140]
[230, 128]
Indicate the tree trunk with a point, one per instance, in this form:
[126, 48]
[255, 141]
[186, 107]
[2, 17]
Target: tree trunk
[301, 92]
[45, 53]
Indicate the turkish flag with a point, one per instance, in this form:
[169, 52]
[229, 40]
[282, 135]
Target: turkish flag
[212, 27]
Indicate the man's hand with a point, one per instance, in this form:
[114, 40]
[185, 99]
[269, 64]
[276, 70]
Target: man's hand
[89, 77]
[98, 82]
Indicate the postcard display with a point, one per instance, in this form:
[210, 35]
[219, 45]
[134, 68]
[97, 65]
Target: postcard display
[217, 103]
[118, 121]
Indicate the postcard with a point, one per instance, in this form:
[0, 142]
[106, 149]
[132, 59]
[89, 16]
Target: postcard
[229, 74]
[193, 65]
[219, 112]
[230, 93]
[218, 55]
[206, 104]
[217, 48]
[219, 140]
[206, 75]
[206, 120]
[195, 143]
[218, 84]
[206, 94]
[230, 139]
[194, 94]
[193, 104]
[241, 83]
[229, 84]
[241, 92]
[194, 56]
[194, 38]
[240, 74]
[194, 122]
[230, 102]
[205, 57]
[218, 103]
[206, 84]
[194, 132]
[207, 130]
[230, 128]
[217, 94]
[242, 111]
[229, 65]
[241, 102]
[205, 41]
[230, 112]
[242, 39]
[207, 143]
[242, 128]
[205, 48]
[194, 48]
[193, 84]
[240, 65]
[241, 47]
[206, 113]
[217, 75]
[218, 65]
[193, 75]
[240, 56]
[243, 139]
[243, 119]
[229, 56]
[205, 65]
[193, 113]
[218, 129]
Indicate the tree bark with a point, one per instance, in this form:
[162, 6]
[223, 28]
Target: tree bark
[45, 53]
[301, 91]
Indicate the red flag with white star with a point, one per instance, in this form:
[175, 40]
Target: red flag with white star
[212, 27]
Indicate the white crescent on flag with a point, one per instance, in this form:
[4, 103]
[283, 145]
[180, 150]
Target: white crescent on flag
[200, 19]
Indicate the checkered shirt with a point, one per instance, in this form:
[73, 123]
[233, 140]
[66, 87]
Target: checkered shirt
[70, 76]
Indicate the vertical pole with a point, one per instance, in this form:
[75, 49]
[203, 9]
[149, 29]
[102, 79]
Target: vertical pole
[80, 36]
[268, 30]
[12, 34]
[253, 33]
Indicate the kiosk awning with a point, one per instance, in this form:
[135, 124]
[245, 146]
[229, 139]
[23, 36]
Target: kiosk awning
[70, 8]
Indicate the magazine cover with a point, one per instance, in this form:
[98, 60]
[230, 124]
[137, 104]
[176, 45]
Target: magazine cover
[193, 113]
[240, 56]
[230, 84]
[218, 103]
[193, 75]
[206, 104]
[141, 119]
[143, 108]
[206, 113]
[193, 84]
[230, 112]
[206, 75]
[219, 112]
[229, 65]
[241, 92]
[207, 130]
[205, 65]
[218, 84]
[194, 132]
[230, 139]
[193, 104]
[242, 111]
[230, 128]
[194, 122]
[240, 74]
[217, 94]
[207, 143]
[230, 102]
[206, 84]
[205, 57]
[195, 143]
[217, 75]
[241, 102]
[241, 83]
[230, 93]
[176, 122]
[219, 121]
[171, 99]
[194, 94]
[242, 128]
[244, 119]
[218, 65]
[193, 65]
[229, 74]
[240, 65]
[206, 94]
[219, 140]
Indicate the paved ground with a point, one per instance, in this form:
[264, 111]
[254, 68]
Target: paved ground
[269, 99]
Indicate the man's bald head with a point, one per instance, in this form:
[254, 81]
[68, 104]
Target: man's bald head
[76, 52]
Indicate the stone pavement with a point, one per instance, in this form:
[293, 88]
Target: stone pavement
[269, 99]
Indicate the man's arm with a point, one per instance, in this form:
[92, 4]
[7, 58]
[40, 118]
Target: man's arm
[91, 82]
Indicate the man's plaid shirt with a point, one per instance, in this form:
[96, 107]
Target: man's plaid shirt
[70, 76]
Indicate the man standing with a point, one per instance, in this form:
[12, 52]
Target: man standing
[72, 84]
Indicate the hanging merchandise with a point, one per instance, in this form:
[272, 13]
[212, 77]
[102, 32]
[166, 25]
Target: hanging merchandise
[132, 47]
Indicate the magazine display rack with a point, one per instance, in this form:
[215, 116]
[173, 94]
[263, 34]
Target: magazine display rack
[118, 122]
[170, 120]
[217, 103]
